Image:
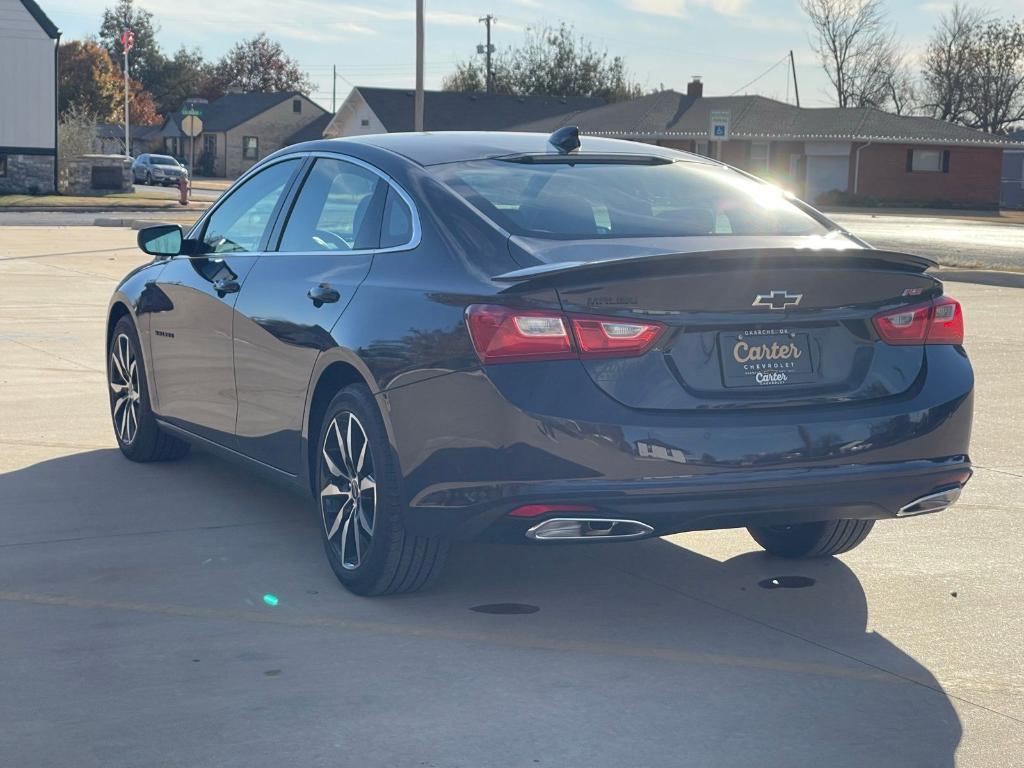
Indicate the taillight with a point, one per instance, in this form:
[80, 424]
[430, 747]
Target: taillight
[507, 335]
[940, 321]
[614, 337]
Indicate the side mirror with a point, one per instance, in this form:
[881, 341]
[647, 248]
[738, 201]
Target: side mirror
[163, 240]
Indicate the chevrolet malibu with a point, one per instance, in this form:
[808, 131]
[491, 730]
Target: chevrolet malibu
[518, 337]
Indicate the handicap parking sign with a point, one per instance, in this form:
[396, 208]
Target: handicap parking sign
[719, 129]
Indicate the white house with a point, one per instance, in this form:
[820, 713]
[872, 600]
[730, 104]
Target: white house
[28, 98]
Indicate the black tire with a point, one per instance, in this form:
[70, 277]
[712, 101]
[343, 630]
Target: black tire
[148, 181]
[144, 441]
[821, 539]
[388, 559]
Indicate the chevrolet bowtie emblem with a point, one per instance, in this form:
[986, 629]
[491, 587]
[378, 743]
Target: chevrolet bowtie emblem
[777, 299]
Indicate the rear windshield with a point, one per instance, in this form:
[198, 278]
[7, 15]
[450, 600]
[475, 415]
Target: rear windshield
[583, 200]
[162, 160]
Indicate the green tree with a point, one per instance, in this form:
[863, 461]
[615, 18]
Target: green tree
[184, 75]
[259, 65]
[88, 82]
[145, 58]
[550, 61]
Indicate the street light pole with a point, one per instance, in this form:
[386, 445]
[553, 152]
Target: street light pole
[418, 116]
[488, 20]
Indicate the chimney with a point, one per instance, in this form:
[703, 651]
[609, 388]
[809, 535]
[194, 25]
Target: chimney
[695, 87]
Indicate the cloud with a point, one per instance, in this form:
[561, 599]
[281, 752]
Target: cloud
[679, 9]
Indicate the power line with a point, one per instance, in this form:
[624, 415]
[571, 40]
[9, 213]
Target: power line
[773, 66]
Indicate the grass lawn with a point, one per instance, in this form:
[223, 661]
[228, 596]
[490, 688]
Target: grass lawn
[137, 199]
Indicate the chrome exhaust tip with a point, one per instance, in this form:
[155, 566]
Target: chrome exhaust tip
[581, 528]
[933, 502]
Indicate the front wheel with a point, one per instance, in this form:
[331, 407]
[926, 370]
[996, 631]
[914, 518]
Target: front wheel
[360, 502]
[138, 435]
[821, 539]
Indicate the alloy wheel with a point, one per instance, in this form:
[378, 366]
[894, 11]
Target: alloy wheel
[124, 383]
[348, 496]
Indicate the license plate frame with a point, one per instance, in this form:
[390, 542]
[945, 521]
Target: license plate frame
[759, 359]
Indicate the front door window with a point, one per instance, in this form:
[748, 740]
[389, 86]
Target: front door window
[241, 221]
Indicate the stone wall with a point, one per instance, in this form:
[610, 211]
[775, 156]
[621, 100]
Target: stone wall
[76, 177]
[27, 175]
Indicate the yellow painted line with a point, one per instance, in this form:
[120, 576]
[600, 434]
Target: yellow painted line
[280, 618]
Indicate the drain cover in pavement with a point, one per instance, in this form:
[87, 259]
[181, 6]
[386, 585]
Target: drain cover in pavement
[505, 608]
[786, 582]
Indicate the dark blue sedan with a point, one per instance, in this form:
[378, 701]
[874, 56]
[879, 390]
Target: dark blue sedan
[515, 337]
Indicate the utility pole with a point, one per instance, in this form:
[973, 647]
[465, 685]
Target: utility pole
[418, 116]
[488, 50]
[796, 88]
[334, 89]
[127, 41]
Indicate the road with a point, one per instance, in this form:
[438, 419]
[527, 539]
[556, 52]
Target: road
[137, 628]
[957, 242]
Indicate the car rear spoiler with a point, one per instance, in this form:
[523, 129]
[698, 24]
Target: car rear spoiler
[694, 261]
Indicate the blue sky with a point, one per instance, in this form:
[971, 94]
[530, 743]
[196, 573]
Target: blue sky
[728, 42]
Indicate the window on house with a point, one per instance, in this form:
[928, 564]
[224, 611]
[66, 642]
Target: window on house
[701, 148]
[934, 160]
[296, 105]
[759, 156]
[250, 147]
[365, 122]
[3, 165]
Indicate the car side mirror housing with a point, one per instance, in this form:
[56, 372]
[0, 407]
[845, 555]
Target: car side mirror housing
[162, 240]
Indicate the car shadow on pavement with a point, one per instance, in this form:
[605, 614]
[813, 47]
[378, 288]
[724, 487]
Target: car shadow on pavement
[625, 638]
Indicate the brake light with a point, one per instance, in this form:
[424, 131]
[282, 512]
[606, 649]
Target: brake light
[506, 335]
[614, 337]
[940, 321]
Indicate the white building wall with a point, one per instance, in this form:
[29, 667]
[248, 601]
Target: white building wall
[352, 113]
[27, 109]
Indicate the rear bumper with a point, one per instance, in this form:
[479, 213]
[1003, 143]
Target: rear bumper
[672, 505]
[474, 446]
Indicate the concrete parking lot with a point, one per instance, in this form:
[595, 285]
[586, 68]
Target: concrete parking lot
[136, 624]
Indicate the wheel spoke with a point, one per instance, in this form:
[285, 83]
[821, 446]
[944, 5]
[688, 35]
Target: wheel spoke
[118, 388]
[337, 522]
[133, 423]
[367, 483]
[344, 540]
[331, 466]
[356, 537]
[364, 521]
[362, 455]
[118, 368]
[347, 452]
[120, 402]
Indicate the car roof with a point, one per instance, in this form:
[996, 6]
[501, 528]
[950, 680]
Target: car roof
[460, 146]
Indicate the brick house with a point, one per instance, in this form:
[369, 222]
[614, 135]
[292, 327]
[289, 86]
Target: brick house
[820, 153]
[238, 130]
[1012, 192]
[28, 98]
[390, 110]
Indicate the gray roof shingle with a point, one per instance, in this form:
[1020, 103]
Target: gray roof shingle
[465, 111]
[233, 109]
[668, 114]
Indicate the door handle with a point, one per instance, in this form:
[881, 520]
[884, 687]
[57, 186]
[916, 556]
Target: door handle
[224, 287]
[322, 294]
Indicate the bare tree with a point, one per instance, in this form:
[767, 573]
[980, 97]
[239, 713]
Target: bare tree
[949, 63]
[974, 70]
[857, 47]
[996, 95]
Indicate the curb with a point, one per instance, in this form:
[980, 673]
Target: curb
[140, 223]
[981, 277]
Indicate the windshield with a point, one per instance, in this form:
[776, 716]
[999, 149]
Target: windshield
[584, 200]
[162, 160]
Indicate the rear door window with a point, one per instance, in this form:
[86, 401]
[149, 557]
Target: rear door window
[337, 209]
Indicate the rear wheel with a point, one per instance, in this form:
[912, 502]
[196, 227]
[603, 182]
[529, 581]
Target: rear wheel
[138, 435]
[821, 539]
[361, 512]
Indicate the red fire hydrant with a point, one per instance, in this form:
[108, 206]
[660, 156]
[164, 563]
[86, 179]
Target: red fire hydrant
[183, 190]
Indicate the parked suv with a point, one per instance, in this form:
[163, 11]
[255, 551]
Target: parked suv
[157, 169]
